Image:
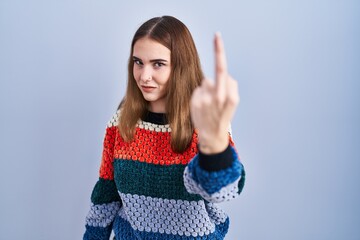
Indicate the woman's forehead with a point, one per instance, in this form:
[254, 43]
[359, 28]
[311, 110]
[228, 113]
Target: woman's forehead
[150, 49]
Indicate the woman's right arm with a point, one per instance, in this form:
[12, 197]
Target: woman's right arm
[105, 200]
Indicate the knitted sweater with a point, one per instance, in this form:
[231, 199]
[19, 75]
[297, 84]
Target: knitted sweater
[147, 191]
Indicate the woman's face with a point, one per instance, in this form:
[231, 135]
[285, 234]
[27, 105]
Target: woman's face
[152, 68]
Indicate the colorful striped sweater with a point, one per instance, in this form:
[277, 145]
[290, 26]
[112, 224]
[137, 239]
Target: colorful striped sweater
[147, 191]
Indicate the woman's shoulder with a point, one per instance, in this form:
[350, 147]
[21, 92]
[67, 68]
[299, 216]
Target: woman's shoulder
[114, 120]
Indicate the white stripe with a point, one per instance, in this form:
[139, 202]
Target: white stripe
[153, 127]
[102, 215]
[178, 217]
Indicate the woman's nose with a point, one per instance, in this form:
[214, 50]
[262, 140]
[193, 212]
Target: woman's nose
[146, 74]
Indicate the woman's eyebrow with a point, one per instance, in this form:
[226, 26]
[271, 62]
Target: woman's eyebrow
[136, 59]
[152, 60]
[158, 60]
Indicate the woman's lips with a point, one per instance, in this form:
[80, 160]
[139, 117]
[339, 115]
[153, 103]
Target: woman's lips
[148, 88]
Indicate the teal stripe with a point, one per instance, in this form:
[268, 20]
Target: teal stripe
[162, 181]
[104, 192]
[242, 181]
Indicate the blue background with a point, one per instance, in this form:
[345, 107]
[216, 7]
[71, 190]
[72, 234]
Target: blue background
[63, 72]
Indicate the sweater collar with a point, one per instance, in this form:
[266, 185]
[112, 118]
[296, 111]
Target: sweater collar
[156, 118]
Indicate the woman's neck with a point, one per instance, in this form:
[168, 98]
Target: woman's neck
[158, 106]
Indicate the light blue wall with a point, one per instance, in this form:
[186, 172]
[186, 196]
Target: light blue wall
[63, 71]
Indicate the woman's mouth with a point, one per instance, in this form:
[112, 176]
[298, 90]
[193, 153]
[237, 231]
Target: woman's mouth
[148, 88]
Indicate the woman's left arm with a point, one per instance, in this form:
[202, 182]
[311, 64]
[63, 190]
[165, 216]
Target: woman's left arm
[216, 173]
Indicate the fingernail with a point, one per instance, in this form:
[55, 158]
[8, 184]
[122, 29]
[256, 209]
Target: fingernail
[218, 34]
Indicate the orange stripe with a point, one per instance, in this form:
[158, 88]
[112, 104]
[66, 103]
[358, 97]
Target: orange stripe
[106, 168]
[153, 147]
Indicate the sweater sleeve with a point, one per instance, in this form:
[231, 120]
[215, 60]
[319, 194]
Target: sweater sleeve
[217, 177]
[105, 200]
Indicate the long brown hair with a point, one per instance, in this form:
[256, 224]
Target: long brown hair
[186, 75]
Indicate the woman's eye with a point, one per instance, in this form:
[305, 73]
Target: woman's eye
[158, 64]
[137, 62]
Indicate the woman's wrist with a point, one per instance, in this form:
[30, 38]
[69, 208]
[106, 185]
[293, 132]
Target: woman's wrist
[214, 145]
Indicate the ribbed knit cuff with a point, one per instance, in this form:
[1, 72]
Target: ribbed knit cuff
[218, 161]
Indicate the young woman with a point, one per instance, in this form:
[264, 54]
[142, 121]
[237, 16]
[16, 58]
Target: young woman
[168, 157]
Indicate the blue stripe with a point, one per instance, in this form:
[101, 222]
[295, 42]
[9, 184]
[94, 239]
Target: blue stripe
[124, 231]
[97, 233]
[213, 182]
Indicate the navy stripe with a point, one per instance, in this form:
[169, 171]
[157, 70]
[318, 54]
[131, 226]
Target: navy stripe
[217, 162]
